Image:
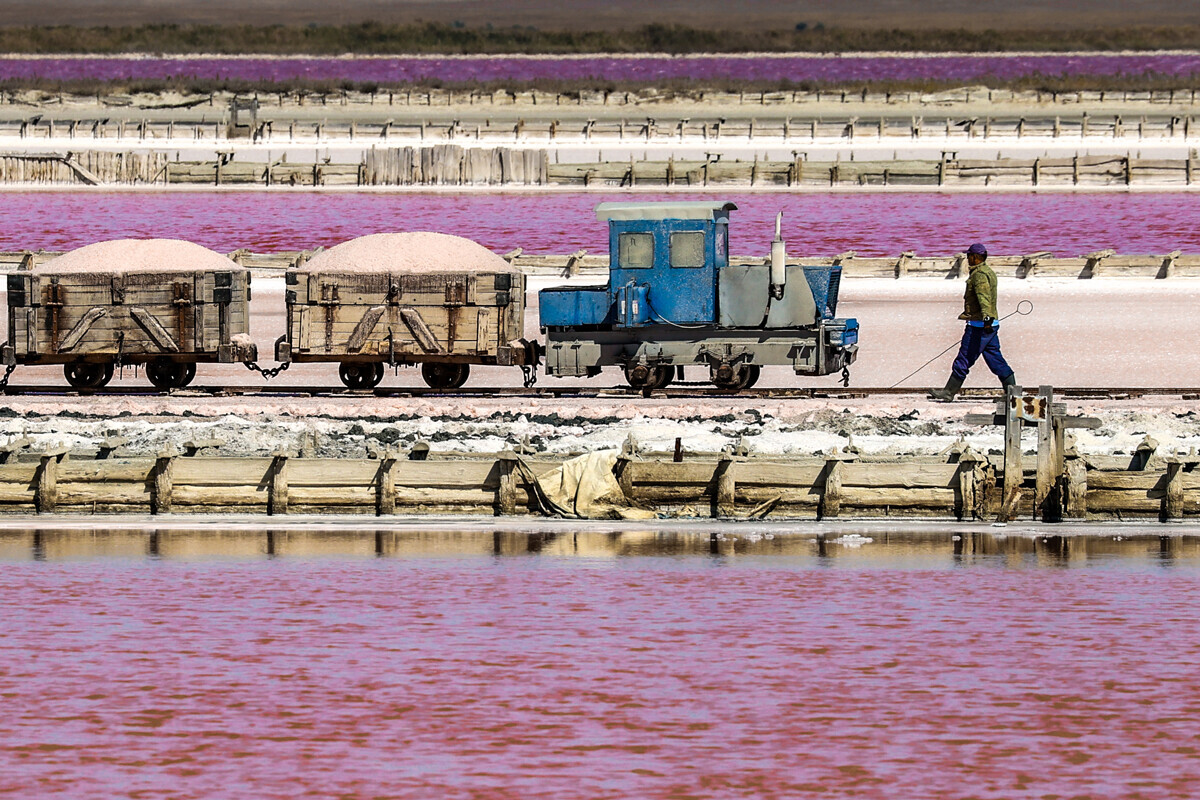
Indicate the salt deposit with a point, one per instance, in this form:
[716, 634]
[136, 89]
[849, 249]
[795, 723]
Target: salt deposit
[138, 255]
[418, 251]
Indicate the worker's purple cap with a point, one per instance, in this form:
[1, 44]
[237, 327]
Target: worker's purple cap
[977, 249]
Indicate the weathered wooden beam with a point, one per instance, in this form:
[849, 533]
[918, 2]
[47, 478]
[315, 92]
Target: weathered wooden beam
[162, 498]
[506, 494]
[725, 504]
[277, 490]
[831, 493]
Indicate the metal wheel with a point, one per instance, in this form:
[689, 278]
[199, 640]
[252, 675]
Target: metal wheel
[166, 374]
[360, 375]
[445, 376]
[190, 375]
[87, 375]
[663, 375]
[640, 376]
[741, 376]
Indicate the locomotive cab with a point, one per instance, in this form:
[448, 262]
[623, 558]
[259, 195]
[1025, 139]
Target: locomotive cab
[674, 299]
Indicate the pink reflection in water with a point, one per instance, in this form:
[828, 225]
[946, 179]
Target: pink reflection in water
[877, 224]
[648, 678]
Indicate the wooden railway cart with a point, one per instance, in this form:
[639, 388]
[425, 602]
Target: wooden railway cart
[403, 299]
[164, 304]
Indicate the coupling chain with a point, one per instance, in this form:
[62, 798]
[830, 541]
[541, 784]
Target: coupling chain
[267, 373]
[8, 371]
[529, 375]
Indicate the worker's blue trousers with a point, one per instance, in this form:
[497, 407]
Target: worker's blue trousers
[976, 342]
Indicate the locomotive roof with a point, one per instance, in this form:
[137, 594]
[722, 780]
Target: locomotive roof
[694, 209]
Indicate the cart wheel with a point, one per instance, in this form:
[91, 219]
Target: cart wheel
[360, 375]
[641, 376]
[663, 375]
[742, 376]
[165, 374]
[191, 374]
[87, 375]
[445, 376]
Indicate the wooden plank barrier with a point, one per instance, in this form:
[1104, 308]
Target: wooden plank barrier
[593, 266]
[962, 485]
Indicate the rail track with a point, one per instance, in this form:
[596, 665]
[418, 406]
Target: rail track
[683, 392]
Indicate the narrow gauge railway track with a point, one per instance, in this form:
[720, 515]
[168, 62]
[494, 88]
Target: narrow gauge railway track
[834, 393]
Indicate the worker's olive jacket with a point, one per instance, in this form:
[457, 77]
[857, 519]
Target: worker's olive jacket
[979, 300]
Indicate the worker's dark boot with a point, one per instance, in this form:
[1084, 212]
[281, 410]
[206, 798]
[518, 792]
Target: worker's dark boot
[947, 394]
[1011, 380]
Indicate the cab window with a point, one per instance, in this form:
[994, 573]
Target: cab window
[636, 250]
[687, 249]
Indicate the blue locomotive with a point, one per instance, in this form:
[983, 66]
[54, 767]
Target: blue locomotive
[674, 300]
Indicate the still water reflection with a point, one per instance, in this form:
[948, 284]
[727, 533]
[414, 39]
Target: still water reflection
[927, 547]
[937, 662]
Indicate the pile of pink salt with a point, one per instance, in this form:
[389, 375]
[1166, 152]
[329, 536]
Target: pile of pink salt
[418, 251]
[137, 255]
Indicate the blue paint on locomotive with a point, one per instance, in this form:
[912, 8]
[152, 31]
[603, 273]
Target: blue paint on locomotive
[673, 299]
[665, 270]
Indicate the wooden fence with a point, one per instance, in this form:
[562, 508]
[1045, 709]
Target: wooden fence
[582, 265]
[713, 127]
[454, 165]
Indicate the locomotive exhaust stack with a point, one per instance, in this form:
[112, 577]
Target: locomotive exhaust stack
[778, 261]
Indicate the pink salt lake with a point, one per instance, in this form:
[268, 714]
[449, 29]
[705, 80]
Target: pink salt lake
[674, 664]
[814, 224]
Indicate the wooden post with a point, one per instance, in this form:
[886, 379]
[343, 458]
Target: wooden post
[1045, 460]
[277, 493]
[385, 485]
[971, 487]
[831, 495]
[46, 489]
[506, 494]
[1075, 500]
[161, 499]
[1173, 497]
[726, 489]
[1013, 474]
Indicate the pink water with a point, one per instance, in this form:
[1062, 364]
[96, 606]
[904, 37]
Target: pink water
[549, 677]
[871, 224]
[792, 67]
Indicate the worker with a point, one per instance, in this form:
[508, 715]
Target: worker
[982, 336]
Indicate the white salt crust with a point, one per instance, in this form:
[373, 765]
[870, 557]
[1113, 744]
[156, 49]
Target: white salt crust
[417, 251]
[138, 255]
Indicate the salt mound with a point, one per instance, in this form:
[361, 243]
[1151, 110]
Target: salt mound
[138, 255]
[418, 251]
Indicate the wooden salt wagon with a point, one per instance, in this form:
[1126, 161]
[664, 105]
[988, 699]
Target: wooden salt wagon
[162, 303]
[403, 299]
